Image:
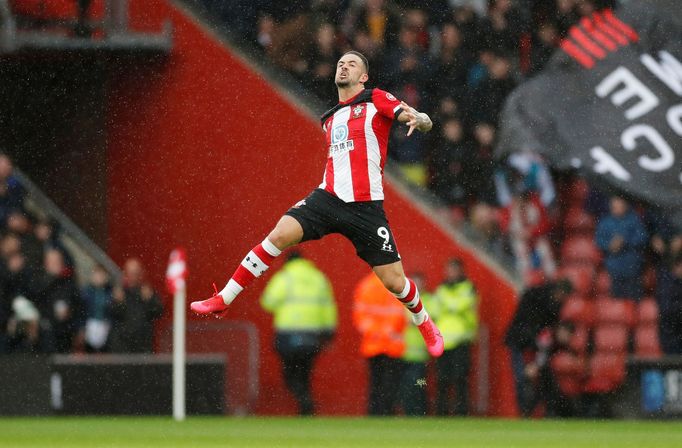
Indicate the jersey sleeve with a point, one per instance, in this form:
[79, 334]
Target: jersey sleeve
[386, 104]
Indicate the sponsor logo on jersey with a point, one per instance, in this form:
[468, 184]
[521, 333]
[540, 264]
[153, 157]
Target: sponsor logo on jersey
[340, 143]
[339, 133]
[336, 149]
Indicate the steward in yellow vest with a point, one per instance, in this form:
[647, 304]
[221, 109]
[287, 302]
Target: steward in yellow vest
[456, 315]
[302, 302]
[413, 399]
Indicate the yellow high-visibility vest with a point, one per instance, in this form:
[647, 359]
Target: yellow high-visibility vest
[456, 313]
[301, 298]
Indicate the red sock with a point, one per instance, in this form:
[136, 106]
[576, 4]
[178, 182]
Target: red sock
[410, 297]
[256, 262]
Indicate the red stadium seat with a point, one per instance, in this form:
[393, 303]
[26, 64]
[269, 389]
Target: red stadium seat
[647, 312]
[570, 386]
[606, 372]
[646, 342]
[578, 222]
[611, 338]
[580, 249]
[568, 364]
[577, 310]
[602, 283]
[580, 339]
[581, 277]
[569, 370]
[615, 311]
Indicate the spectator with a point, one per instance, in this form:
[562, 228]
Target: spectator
[486, 99]
[544, 42]
[11, 192]
[134, 308]
[532, 174]
[19, 329]
[323, 61]
[479, 70]
[483, 230]
[457, 318]
[302, 302]
[17, 275]
[471, 27]
[622, 237]
[377, 20]
[412, 391]
[23, 327]
[450, 165]
[543, 385]
[526, 222]
[503, 26]
[538, 308]
[288, 50]
[669, 298]
[405, 67]
[59, 303]
[97, 297]
[483, 164]
[380, 319]
[19, 318]
[47, 232]
[417, 20]
[18, 223]
[448, 76]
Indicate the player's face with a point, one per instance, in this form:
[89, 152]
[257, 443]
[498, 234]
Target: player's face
[350, 71]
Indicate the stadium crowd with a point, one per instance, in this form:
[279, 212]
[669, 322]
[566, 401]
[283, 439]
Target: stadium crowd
[458, 60]
[43, 309]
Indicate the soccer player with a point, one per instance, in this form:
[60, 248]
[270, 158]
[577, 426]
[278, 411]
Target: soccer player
[349, 200]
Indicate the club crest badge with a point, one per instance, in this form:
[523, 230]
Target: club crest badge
[357, 110]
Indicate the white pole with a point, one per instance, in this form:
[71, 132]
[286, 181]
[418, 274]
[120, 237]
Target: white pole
[179, 355]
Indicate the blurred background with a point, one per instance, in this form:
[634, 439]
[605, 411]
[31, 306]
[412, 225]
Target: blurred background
[131, 127]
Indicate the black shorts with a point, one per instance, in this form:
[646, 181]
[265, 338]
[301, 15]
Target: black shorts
[363, 223]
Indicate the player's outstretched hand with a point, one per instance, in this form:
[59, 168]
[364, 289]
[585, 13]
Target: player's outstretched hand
[414, 119]
[411, 115]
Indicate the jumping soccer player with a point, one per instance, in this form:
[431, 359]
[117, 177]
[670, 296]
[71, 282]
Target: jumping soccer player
[350, 199]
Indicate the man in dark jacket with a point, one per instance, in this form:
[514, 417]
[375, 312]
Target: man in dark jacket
[538, 308]
[669, 298]
[134, 309]
[622, 237]
[59, 302]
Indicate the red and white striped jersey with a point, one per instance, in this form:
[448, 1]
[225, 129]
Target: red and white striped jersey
[356, 134]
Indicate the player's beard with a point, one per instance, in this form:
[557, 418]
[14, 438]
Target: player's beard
[343, 83]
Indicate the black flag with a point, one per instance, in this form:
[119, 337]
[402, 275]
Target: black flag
[609, 103]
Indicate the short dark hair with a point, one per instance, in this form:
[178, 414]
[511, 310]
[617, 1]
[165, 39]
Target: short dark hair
[362, 58]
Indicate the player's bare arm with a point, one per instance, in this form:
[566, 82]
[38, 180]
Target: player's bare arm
[414, 119]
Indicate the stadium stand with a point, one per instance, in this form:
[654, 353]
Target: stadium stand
[488, 55]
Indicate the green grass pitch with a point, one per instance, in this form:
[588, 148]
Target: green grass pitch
[74, 432]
